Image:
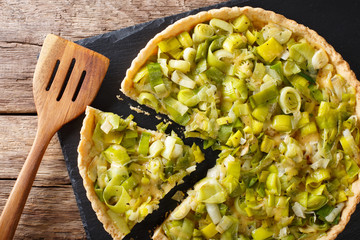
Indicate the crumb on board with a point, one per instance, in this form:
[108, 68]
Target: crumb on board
[178, 196]
[139, 110]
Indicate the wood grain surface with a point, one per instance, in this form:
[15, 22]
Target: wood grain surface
[51, 211]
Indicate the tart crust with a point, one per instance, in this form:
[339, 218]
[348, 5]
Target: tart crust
[259, 18]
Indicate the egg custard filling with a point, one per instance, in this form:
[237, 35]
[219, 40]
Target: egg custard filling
[127, 169]
[280, 112]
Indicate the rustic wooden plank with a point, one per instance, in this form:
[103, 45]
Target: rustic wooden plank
[25, 25]
[17, 134]
[50, 213]
[51, 209]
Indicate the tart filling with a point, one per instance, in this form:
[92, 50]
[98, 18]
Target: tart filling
[278, 101]
[127, 169]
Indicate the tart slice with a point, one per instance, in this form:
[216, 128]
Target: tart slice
[126, 170]
[284, 104]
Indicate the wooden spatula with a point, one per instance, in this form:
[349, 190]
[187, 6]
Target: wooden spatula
[66, 79]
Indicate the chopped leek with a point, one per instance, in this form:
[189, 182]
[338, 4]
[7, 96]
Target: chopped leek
[290, 100]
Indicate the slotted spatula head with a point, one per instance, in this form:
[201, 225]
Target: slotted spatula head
[66, 79]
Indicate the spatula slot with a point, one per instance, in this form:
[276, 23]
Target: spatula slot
[78, 87]
[71, 67]
[53, 75]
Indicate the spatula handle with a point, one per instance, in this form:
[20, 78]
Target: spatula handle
[15, 204]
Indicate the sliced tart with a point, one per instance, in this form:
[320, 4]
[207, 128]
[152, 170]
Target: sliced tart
[126, 169]
[283, 106]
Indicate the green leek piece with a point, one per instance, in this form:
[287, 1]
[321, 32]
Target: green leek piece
[176, 53]
[308, 129]
[242, 23]
[348, 144]
[202, 51]
[241, 109]
[212, 59]
[316, 202]
[302, 198]
[99, 192]
[182, 79]
[202, 32]
[301, 53]
[188, 97]
[301, 84]
[169, 147]
[279, 70]
[251, 38]
[109, 121]
[270, 50]
[290, 100]
[221, 24]
[98, 137]
[282, 123]
[185, 39]
[352, 169]
[155, 75]
[316, 93]
[211, 192]
[186, 229]
[273, 184]
[149, 100]
[304, 119]
[117, 153]
[232, 186]
[156, 148]
[215, 74]
[267, 144]
[177, 110]
[181, 65]
[224, 120]
[189, 54]
[209, 231]
[144, 143]
[116, 198]
[225, 132]
[129, 139]
[261, 233]
[119, 222]
[143, 72]
[260, 113]
[290, 68]
[129, 183]
[233, 169]
[198, 154]
[257, 126]
[201, 66]
[307, 77]
[234, 139]
[169, 45]
[266, 96]
[259, 72]
[234, 41]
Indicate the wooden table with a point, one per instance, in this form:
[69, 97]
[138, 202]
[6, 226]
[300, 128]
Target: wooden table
[51, 211]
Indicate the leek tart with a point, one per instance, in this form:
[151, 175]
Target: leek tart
[283, 106]
[126, 170]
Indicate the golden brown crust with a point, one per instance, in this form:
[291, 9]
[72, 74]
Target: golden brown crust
[259, 17]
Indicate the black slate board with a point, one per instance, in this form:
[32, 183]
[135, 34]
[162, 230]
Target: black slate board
[336, 21]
